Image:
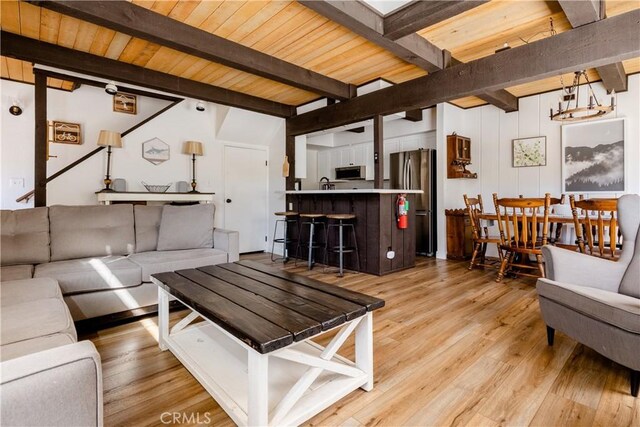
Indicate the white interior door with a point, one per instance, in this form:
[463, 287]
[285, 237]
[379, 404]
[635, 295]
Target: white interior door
[246, 180]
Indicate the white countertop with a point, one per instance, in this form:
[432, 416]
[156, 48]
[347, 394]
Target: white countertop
[359, 191]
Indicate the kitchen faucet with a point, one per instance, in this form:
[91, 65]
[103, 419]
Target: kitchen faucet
[327, 185]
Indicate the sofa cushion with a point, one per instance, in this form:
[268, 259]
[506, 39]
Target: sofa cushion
[24, 236]
[609, 307]
[147, 222]
[36, 318]
[16, 272]
[20, 291]
[630, 284]
[91, 231]
[92, 274]
[163, 261]
[186, 227]
[34, 345]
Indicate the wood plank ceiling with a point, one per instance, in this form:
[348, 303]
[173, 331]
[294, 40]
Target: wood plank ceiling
[296, 34]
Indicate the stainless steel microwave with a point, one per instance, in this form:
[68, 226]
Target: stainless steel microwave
[351, 172]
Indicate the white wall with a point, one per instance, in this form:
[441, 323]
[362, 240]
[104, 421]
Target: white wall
[492, 130]
[89, 106]
[215, 127]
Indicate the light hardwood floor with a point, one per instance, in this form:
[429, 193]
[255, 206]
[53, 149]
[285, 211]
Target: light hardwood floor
[452, 347]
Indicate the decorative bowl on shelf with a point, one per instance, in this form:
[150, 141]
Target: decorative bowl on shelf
[156, 188]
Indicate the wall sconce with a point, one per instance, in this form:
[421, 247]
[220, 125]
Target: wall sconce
[15, 108]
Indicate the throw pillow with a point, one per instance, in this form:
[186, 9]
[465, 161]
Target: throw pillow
[186, 227]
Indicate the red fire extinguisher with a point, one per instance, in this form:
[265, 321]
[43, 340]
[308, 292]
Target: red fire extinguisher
[402, 211]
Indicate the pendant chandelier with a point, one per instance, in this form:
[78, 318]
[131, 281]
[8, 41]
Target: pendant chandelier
[569, 109]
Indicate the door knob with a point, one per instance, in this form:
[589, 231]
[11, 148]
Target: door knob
[228, 200]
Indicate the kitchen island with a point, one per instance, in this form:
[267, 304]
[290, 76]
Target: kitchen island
[383, 248]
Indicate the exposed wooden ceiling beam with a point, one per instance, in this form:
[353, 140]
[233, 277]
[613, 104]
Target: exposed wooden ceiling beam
[585, 12]
[52, 55]
[357, 17]
[143, 23]
[413, 48]
[422, 14]
[596, 44]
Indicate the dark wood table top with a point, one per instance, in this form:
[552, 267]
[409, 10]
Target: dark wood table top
[264, 307]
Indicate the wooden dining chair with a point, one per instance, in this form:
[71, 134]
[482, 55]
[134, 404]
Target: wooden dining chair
[597, 231]
[518, 221]
[480, 234]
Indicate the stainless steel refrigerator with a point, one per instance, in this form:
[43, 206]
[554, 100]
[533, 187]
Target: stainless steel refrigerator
[416, 170]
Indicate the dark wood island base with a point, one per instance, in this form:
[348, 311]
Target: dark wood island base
[377, 233]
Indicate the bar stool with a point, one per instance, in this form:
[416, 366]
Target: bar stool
[313, 221]
[341, 249]
[290, 218]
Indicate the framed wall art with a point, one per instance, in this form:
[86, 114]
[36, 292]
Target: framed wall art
[593, 156]
[125, 103]
[530, 152]
[65, 133]
[155, 151]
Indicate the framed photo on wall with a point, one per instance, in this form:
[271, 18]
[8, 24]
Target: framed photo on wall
[593, 156]
[125, 103]
[65, 133]
[530, 152]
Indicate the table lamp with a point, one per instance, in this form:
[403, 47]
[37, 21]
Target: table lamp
[109, 139]
[194, 148]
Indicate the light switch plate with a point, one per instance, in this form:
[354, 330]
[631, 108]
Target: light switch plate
[290, 206]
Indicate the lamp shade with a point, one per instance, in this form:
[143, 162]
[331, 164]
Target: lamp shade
[109, 138]
[192, 147]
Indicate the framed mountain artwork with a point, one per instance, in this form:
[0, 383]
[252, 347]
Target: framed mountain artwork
[593, 156]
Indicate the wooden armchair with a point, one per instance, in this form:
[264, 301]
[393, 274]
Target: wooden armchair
[597, 231]
[520, 237]
[480, 234]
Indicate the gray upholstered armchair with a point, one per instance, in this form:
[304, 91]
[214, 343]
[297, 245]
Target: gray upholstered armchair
[597, 301]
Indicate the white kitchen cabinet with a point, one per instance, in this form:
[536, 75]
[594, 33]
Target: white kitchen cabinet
[336, 162]
[324, 164]
[359, 154]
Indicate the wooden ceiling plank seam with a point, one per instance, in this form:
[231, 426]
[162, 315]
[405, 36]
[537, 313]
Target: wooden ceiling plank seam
[49, 25]
[164, 7]
[239, 18]
[117, 45]
[164, 59]
[422, 14]
[10, 16]
[15, 68]
[29, 20]
[101, 41]
[279, 21]
[57, 56]
[86, 36]
[585, 12]
[4, 67]
[27, 72]
[68, 31]
[201, 13]
[140, 22]
[222, 14]
[591, 45]
[182, 10]
[253, 23]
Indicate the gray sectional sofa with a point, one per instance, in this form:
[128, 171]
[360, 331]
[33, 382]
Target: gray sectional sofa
[64, 263]
[102, 256]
